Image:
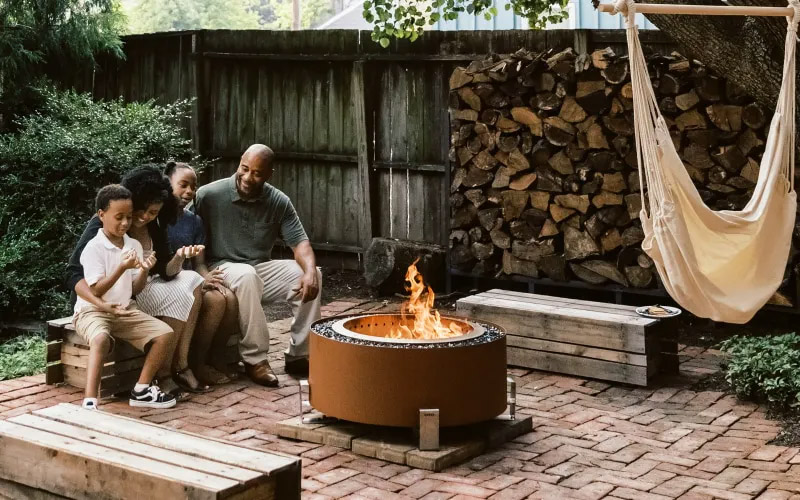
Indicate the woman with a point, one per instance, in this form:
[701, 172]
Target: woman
[219, 311]
[171, 295]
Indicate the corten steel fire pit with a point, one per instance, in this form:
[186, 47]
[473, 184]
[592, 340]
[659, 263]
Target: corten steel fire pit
[358, 374]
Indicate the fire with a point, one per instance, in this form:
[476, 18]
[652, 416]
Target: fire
[427, 324]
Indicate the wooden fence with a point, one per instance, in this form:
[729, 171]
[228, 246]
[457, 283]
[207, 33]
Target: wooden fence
[361, 133]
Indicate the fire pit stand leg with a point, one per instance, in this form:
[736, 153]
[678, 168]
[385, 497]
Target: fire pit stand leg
[305, 406]
[429, 430]
[511, 388]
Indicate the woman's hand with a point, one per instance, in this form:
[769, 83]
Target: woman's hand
[214, 281]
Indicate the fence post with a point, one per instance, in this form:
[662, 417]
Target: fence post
[197, 74]
[363, 129]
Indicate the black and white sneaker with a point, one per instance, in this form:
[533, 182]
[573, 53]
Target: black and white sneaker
[152, 397]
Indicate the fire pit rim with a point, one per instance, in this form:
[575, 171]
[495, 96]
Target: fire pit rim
[340, 327]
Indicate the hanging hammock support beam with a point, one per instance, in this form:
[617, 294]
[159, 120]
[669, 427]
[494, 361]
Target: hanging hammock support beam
[704, 10]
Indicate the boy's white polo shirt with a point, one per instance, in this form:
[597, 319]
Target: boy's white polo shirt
[100, 258]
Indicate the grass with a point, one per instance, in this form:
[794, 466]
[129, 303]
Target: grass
[22, 356]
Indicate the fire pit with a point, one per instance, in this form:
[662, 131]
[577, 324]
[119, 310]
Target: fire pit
[383, 369]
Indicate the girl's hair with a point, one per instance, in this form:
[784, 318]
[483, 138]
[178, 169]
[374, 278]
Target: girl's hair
[172, 166]
[149, 186]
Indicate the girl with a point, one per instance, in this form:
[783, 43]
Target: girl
[219, 310]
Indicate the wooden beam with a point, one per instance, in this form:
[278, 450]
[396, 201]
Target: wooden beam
[288, 155]
[198, 90]
[401, 165]
[362, 128]
[344, 57]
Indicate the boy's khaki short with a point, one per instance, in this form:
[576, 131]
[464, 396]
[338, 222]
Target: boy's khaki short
[138, 329]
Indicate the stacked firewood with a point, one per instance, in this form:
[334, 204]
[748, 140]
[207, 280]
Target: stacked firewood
[545, 180]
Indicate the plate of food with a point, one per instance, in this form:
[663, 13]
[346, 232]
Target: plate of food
[658, 311]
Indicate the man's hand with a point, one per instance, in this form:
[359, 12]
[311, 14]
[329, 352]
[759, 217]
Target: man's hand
[309, 286]
[129, 260]
[190, 251]
[115, 309]
[148, 262]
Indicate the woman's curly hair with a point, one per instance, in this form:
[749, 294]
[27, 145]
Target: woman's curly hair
[148, 186]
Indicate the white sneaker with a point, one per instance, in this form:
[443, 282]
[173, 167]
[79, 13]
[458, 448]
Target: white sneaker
[152, 397]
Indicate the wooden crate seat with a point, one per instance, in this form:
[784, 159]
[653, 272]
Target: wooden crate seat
[577, 337]
[68, 354]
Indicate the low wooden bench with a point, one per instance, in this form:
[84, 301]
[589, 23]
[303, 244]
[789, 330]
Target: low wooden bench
[68, 354]
[67, 452]
[577, 337]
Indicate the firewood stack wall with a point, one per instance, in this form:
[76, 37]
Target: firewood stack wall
[545, 180]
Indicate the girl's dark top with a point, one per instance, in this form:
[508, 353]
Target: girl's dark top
[75, 269]
[187, 230]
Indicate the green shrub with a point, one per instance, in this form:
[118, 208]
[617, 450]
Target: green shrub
[22, 356]
[765, 368]
[51, 168]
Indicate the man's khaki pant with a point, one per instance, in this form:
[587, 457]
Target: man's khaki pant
[265, 283]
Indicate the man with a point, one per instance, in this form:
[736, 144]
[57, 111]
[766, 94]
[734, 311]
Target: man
[243, 216]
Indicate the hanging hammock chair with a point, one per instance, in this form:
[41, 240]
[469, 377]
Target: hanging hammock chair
[724, 265]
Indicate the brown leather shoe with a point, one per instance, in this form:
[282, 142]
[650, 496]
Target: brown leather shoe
[261, 374]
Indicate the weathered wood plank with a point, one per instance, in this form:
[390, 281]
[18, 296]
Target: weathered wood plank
[361, 129]
[574, 365]
[85, 470]
[576, 350]
[148, 433]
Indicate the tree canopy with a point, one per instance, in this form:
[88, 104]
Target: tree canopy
[39, 38]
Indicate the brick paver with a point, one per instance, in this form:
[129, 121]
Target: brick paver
[590, 439]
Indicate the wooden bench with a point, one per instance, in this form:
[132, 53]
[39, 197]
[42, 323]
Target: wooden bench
[577, 337]
[65, 451]
[67, 355]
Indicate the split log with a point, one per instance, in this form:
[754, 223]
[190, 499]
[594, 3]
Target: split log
[513, 265]
[579, 244]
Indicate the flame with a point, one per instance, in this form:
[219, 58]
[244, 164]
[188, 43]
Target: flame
[418, 309]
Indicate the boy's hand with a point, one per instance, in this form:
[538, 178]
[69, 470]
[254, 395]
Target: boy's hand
[190, 251]
[115, 309]
[148, 262]
[129, 260]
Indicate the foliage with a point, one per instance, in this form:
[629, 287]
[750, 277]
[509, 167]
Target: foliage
[51, 170]
[312, 12]
[42, 38]
[408, 18]
[22, 356]
[150, 16]
[765, 368]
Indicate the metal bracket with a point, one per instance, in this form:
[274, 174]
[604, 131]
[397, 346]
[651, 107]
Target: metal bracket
[429, 430]
[305, 407]
[511, 399]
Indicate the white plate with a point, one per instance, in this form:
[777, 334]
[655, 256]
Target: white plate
[643, 311]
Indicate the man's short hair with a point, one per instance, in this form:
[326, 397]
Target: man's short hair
[109, 193]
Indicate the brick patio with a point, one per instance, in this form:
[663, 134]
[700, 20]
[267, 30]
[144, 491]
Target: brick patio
[590, 440]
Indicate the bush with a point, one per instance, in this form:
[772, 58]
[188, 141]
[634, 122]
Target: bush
[52, 168]
[765, 368]
[22, 356]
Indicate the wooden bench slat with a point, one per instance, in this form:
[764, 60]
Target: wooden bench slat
[629, 311]
[577, 350]
[145, 432]
[144, 450]
[578, 312]
[86, 470]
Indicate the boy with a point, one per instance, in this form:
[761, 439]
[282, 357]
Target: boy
[109, 262]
